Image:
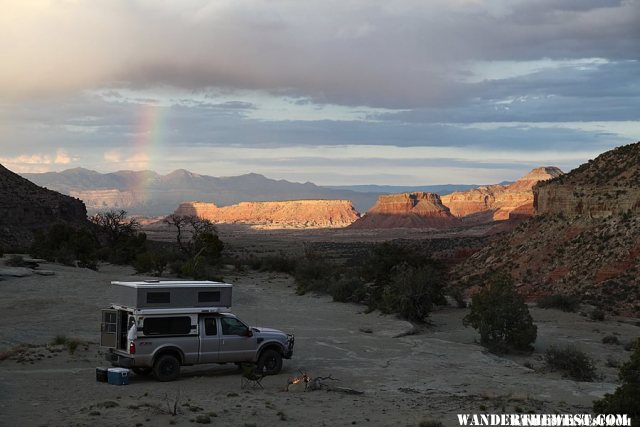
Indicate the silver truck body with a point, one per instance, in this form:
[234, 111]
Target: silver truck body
[146, 339]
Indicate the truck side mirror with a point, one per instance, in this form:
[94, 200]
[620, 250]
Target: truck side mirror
[248, 333]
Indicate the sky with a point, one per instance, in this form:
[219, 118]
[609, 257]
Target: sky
[409, 92]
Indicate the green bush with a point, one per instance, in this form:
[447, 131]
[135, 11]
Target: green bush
[154, 262]
[279, 263]
[209, 246]
[413, 292]
[597, 315]
[347, 288]
[66, 244]
[560, 302]
[313, 273]
[571, 361]
[501, 316]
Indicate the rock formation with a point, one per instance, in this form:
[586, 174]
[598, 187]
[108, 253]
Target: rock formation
[25, 207]
[583, 240]
[407, 210]
[500, 200]
[280, 214]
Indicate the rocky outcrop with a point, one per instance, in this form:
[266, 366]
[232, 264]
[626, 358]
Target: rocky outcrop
[407, 210]
[280, 214]
[501, 200]
[583, 240]
[25, 207]
[606, 186]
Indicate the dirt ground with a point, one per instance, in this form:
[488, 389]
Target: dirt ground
[428, 376]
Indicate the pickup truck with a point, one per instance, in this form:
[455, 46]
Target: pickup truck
[161, 341]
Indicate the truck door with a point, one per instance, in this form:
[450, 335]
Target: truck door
[209, 339]
[236, 345]
[109, 328]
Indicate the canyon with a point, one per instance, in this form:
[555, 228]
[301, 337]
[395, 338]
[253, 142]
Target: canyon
[584, 238]
[276, 214]
[498, 202]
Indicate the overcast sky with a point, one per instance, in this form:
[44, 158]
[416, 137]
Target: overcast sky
[335, 92]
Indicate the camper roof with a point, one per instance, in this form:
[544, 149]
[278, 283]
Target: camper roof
[173, 284]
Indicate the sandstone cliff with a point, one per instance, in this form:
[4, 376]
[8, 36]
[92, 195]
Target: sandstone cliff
[603, 187]
[584, 239]
[280, 214]
[25, 207]
[500, 200]
[407, 210]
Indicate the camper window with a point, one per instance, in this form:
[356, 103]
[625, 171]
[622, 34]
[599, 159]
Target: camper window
[209, 296]
[158, 297]
[167, 326]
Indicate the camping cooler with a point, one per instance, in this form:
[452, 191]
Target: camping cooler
[118, 376]
[101, 375]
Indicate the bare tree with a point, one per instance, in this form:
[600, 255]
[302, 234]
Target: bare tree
[115, 224]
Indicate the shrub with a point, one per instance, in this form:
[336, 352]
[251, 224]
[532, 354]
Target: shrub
[16, 261]
[279, 263]
[66, 244]
[413, 292]
[626, 398]
[610, 339]
[597, 315]
[571, 361]
[560, 302]
[154, 262]
[347, 288]
[313, 273]
[209, 246]
[501, 316]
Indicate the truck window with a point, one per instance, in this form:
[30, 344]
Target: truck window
[210, 326]
[212, 296]
[167, 326]
[232, 326]
[158, 297]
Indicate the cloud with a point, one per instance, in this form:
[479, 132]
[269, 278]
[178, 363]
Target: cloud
[113, 156]
[62, 157]
[398, 53]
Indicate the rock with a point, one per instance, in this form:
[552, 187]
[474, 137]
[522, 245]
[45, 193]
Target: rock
[584, 239]
[280, 214]
[44, 272]
[514, 201]
[16, 272]
[26, 207]
[407, 210]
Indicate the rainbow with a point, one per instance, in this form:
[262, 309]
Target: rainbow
[146, 144]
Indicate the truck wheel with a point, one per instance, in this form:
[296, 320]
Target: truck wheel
[166, 368]
[270, 362]
[143, 372]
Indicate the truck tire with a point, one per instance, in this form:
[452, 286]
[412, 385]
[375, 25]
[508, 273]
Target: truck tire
[143, 372]
[166, 368]
[270, 362]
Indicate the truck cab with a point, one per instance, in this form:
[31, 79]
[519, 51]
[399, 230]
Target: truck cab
[161, 340]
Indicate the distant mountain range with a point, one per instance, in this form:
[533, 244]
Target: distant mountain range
[149, 193]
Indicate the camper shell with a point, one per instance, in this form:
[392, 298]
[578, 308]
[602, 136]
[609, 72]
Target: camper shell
[157, 326]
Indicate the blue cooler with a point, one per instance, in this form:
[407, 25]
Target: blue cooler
[118, 376]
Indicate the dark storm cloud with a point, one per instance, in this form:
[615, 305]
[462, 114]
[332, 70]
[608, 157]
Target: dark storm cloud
[399, 54]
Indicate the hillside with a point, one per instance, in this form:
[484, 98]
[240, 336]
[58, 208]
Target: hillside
[149, 193]
[584, 239]
[500, 201]
[277, 214]
[407, 210]
[25, 207]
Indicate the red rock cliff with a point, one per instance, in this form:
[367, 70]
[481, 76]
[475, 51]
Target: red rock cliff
[280, 214]
[407, 210]
[500, 200]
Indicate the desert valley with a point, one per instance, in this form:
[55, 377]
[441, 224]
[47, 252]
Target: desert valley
[308, 266]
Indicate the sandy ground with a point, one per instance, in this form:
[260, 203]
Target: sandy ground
[433, 375]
